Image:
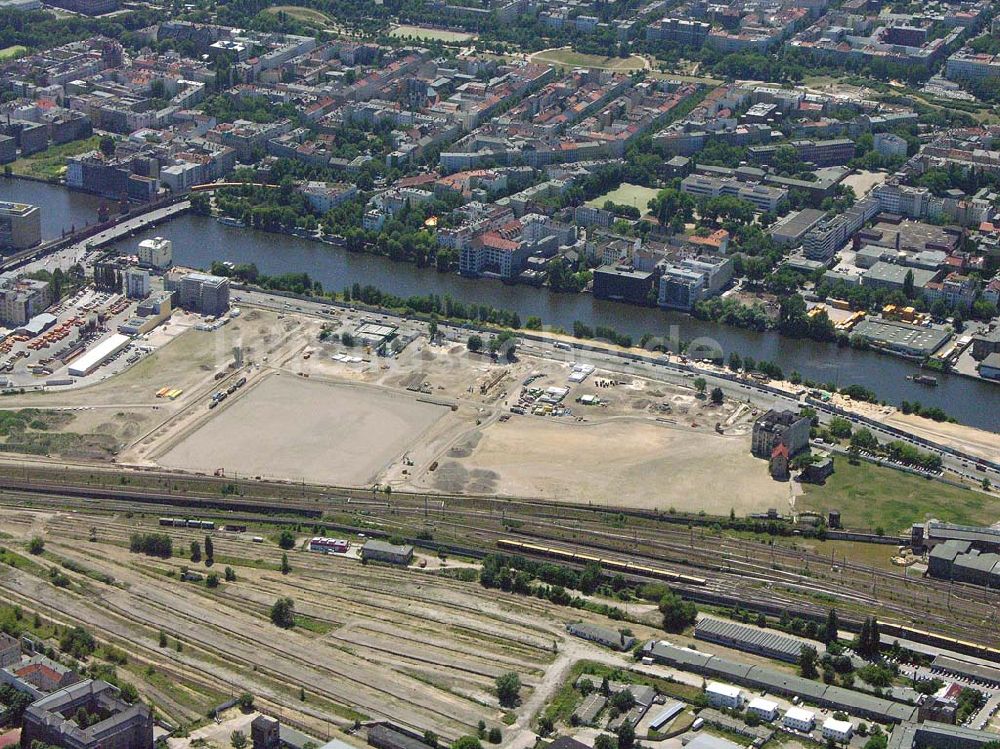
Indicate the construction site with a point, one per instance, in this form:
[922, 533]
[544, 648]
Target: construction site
[396, 409]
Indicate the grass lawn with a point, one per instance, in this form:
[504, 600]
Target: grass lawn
[869, 496]
[443, 35]
[51, 163]
[306, 15]
[627, 194]
[12, 52]
[559, 56]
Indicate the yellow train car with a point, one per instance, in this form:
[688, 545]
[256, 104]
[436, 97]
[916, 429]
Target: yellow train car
[615, 565]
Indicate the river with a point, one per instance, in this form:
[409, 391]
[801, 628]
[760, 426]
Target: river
[199, 240]
[62, 209]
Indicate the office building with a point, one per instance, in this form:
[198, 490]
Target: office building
[156, 253]
[20, 226]
[766, 710]
[204, 294]
[21, 299]
[136, 283]
[799, 719]
[839, 731]
[724, 695]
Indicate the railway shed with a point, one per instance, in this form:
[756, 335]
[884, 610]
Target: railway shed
[858, 704]
[966, 670]
[747, 638]
[610, 638]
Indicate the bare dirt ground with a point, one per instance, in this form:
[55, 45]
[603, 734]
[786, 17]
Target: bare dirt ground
[291, 427]
[626, 462]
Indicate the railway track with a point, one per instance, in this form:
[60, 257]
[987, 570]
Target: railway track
[744, 569]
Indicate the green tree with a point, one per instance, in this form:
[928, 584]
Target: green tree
[212, 581]
[466, 742]
[283, 613]
[163, 639]
[230, 575]
[626, 736]
[36, 546]
[831, 632]
[245, 702]
[474, 344]
[495, 737]
[807, 662]
[908, 288]
[431, 739]
[285, 566]
[286, 540]
[700, 384]
[678, 614]
[195, 552]
[508, 689]
[717, 395]
[209, 551]
[605, 741]
[238, 740]
[107, 146]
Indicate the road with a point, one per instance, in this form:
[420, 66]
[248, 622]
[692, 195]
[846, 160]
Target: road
[78, 251]
[654, 365]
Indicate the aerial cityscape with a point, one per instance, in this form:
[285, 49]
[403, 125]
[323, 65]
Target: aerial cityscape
[457, 374]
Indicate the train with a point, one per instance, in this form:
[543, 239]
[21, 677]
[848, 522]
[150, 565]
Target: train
[944, 642]
[615, 565]
[205, 525]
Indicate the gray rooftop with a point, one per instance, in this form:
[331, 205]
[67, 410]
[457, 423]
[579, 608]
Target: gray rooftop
[745, 637]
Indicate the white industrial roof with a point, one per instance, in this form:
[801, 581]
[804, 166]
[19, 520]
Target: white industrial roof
[726, 689]
[99, 353]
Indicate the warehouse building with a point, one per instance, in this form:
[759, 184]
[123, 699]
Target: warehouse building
[935, 532]
[589, 709]
[749, 639]
[94, 358]
[123, 726]
[384, 736]
[943, 664]
[901, 338]
[935, 735]
[381, 551]
[859, 704]
[609, 638]
[670, 711]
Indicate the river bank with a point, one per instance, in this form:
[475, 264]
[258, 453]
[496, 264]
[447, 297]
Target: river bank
[200, 240]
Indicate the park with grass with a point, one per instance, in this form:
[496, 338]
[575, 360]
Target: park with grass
[305, 15]
[13, 52]
[880, 497]
[565, 56]
[627, 194]
[50, 164]
[429, 34]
